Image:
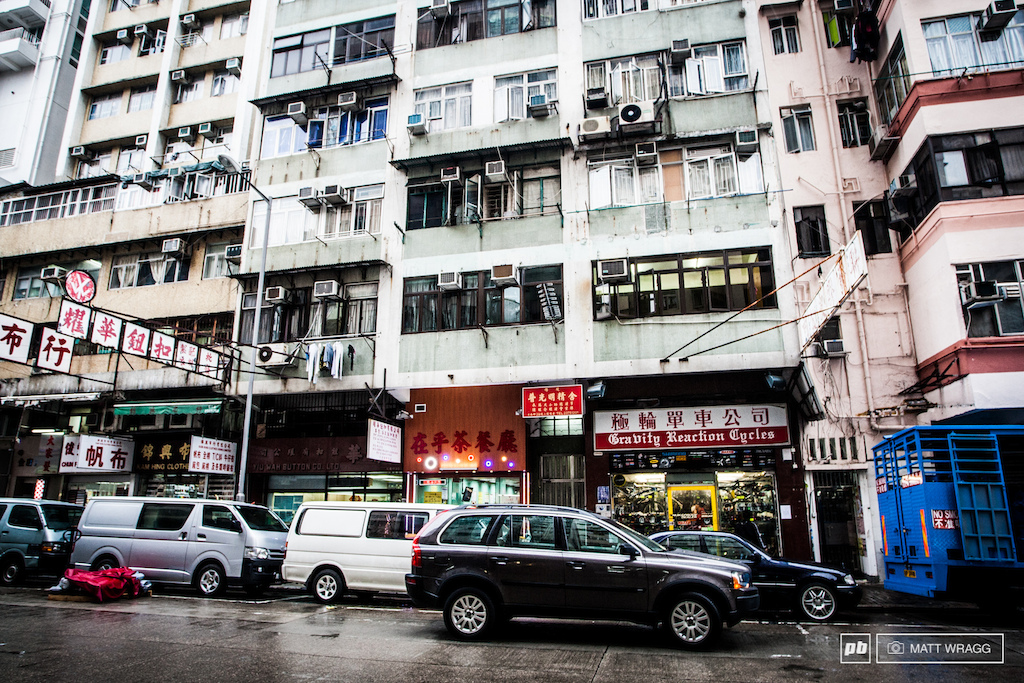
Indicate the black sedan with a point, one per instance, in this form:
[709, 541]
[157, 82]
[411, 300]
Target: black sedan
[814, 590]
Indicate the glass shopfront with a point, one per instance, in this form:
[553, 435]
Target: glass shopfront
[289, 491]
[471, 489]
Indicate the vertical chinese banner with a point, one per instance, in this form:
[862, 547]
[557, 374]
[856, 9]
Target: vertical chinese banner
[69, 454]
[55, 351]
[74, 319]
[161, 348]
[106, 330]
[136, 340]
[186, 356]
[15, 339]
[50, 449]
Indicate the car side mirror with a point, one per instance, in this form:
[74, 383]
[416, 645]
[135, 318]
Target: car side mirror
[235, 525]
[626, 549]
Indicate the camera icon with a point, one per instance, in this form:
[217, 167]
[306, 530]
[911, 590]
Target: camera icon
[894, 648]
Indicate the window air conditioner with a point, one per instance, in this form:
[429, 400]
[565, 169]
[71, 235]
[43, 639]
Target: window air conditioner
[613, 270]
[746, 141]
[141, 140]
[53, 273]
[233, 253]
[125, 37]
[843, 5]
[276, 295]
[335, 195]
[348, 100]
[146, 183]
[494, 171]
[207, 130]
[326, 289]
[905, 186]
[81, 153]
[981, 293]
[417, 124]
[597, 98]
[881, 146]
[504, 275]
[680, 51]
[307, 197]
[234, 66]
[189, 21]
[646, 153]
[997, 15]
[175, 245]
[451, 174]
[186, 133]
[297, 112]
[275, 355]
[539, 106]
[141, 30]
[449, 281]
[439, 8]
[833, 348]
[179, 76]
[596, 127]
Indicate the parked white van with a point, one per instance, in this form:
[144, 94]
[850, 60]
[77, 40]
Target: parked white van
[335, 546]
[208, 543]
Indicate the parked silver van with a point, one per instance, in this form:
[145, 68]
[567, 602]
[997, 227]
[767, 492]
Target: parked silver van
[35, 537]
[208, 543]
[335, 546]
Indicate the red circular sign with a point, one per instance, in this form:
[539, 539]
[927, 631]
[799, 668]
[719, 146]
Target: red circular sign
[80, 286]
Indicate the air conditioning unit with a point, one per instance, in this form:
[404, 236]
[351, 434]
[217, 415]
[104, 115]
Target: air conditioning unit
[504, 275]
[451, 174]
[881, 145]
[186, 133]
[141, 30]
[234, 66]
[997, 15]
[449, 280]
[440, 8]
[646, 153]
[613, 270]
[179, 76]
[335, 195]
[746, 141]
[833, 348]
[905, 186]
[597, 98]
[348, 100]
[844, 5]
[276, 295]
[417, 124]
[53, 273]
[174, 245]
[636, 116]
[540, 107]
[275, 355]
[141, 140]
[174, 172]
[125, 37]
[189, 21]
[680, 51]
[307, 197]
[981, 293]
[596, 127]
[326, 289]
[297, 112]
[81, 153]
[207, 130]
[495, 171]
[145, 182]
[233, 253]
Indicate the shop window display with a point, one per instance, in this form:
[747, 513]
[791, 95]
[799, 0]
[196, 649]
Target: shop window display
[749, 497]
[640, 502]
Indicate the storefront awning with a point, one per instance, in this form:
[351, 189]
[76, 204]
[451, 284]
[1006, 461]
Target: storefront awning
[169, 408]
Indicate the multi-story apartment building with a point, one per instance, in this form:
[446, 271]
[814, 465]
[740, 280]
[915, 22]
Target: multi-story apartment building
[40, 48]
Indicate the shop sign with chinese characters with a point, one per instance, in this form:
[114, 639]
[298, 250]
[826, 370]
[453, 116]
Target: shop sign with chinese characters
[383, 441]
[50, 448]
[211, 456]
[553, 401]
[163, 454]
[98, 454]
[15, 339]
[733, 426]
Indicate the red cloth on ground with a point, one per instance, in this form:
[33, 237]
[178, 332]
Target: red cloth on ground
[108, 584]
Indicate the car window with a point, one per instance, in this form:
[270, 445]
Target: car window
[467, 530]
[683, 542]
[527, 531]
[727, 547]
[218, 517]
[260, 518]
[25, 516]
[160, 517]
[60, 517]
[395, 524]
[2, 509]
[590, 537]
[331, 522]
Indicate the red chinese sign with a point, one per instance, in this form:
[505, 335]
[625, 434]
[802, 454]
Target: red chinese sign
[552, 401]
[106, 330]
[55, 351]
[80, 286]
[74, 319]
[136, 340]
[161, 348]
[735, 426]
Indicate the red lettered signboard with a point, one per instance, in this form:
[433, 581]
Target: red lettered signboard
[736, 426]
[552, 401]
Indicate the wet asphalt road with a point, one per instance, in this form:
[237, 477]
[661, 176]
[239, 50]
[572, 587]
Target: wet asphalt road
[285, 636]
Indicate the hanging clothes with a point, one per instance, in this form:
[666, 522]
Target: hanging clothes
[328, 358]
[313, 352]
[338, 366]
[866, 35]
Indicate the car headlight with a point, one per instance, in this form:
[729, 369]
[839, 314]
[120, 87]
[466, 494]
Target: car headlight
[740, 580]
[252, 553]
[848, 580]
[53, 547]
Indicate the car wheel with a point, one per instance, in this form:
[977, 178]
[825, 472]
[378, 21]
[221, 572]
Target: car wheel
[693, 621]
[327, 586]
[210, 580]
[817, 602]
[469, 614]
[103, 563]
[10, 570]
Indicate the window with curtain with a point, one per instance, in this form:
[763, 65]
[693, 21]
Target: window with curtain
[512, 93]
[711, 172]
[446, 107]
[595, 9]
[141, 98]
[785, 37]
[798, 129]
[142, 270]
[623, 183]
[334, 126]
[360, 216]
[290, 223]
[956, 45]
[281, 137]
[893, 82]
[105, 106]
[469, 20]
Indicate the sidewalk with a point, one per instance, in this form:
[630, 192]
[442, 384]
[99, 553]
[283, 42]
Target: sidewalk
[877, 597]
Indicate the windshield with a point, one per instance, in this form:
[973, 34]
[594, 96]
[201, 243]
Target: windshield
[636, 537]
[261, 519]
[61, 517]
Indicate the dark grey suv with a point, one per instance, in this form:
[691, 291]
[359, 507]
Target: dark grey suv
[484, 564]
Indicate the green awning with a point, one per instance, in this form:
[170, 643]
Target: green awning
[168, 408]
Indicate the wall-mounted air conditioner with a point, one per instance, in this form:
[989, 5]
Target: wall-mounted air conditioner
[596, 127]
[997, 15]
[179, 76]
[297, 112]
[53, 273]
[308, 198]
[844, 5]
[646, 153]
[613, 270]
[125, 37]
[348, 100]
[186, 133]
[494, 171]
[141, 140]
[636, 116]
[881, 146]
[276, 295]
[449, 280]
[141, 30]
[233, 253]
[440, 8]
[327, 289]
[451, 174]
[190, 21]
[540, 107]
[504, 275]
[145, 182]
[680, 51]
[335, 195]
[207, 130]
[417, 124]
[905, 186]
[833, 348]
[174, 245]
[746, 141]
[597, 98]
[275, 355]
[81, 153]
[234, 66]
[981, 293]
